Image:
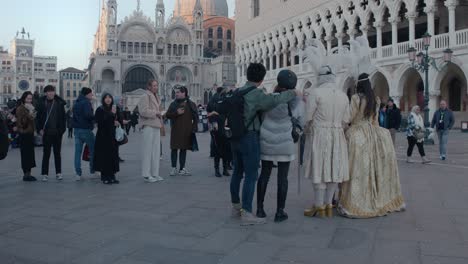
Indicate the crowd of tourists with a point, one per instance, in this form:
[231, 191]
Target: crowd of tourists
[347, 144]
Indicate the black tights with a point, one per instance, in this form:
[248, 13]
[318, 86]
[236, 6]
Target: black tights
[283, 171]
[411, 142]
[182, 158]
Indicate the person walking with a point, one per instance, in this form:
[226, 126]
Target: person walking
[383, 115]
[106, 156]
[415, 135]
[151, 123]
[443, 121]
[277, 145]
[25, 115]
[83, 124]
[51, 125]
[393, 119]
[219, 142]
[70, 123]
[246, 149]
[134, 119]
[126, 115]
[184, 123]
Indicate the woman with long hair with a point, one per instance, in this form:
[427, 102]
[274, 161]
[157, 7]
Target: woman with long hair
[415, 134]
[106, 157]
[26, 115]
[374, 186]
[151, 122]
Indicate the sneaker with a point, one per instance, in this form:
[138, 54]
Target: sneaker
[150, 179]
[443, 157]
[173, 172]
[45, 178]
[59, 177]
[184, 172]
[77, 178]
[236, 210]
[248, 218]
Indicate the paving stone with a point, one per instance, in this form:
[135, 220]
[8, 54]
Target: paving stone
[445, 249]
[443, 260]
[396, 252]
[162, 255]
[258, 253]
[222, 241]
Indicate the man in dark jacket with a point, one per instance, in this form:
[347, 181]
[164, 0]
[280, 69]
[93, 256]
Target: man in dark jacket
[443, 121]
[83, 124]
[393, 118]
[51, 123]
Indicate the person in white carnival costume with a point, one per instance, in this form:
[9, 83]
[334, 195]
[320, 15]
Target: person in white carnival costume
[326, 153]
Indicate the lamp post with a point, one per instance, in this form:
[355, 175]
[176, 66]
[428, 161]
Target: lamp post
[423, 62]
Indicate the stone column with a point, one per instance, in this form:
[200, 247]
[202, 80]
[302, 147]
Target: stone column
[364, 29]
[451, 5]
[328, 39]
[351, 32]
[378, 26]
[278, 60]
[394, 23]
[340, 37]
[412, 27]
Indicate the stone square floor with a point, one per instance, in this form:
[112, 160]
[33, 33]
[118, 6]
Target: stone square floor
[187, 219]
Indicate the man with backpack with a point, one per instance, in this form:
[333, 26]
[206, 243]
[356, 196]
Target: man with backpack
[243, 108]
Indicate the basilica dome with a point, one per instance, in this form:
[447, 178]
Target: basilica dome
[211, 8]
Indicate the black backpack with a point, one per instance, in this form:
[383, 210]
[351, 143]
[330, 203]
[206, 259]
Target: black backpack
[232, 107]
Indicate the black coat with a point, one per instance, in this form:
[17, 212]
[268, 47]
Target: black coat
[106, 156]
[393, 118]
[59, 111]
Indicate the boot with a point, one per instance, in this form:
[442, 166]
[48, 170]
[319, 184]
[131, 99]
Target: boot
[261, 190]
[280, 215]
[425, 160]
[216, 166]
[225, 169]
[281, 200]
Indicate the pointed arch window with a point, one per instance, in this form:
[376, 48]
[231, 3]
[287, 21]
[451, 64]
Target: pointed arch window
[219, 33]
[255, 8]
[229, 34]
[220, 45]
[210, 33]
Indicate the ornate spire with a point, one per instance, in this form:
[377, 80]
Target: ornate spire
[138, 5]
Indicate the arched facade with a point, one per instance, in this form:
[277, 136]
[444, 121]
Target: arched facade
[391, 26]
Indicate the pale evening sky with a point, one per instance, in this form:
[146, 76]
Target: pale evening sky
[66, 28]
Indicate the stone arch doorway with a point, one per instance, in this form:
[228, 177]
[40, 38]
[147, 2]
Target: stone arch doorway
[137, 78]
[453, 88]
[381, 87]
[413, 90]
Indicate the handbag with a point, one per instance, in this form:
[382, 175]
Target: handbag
[85, 155]
[119, 134]
[419, 134]
[296, 127]
[194, 143]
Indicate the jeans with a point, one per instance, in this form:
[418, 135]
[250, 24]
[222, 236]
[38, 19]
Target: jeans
[83, 136]
[443, 138]
[151, 152]
[411, 143]
[182, 158]
[246, 158]
[49, 142]
[282, 183]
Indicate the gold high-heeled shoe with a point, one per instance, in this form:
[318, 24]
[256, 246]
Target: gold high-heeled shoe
[315, 211]
[329, 210]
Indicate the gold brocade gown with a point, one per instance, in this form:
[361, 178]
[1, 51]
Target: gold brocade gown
[374, 186]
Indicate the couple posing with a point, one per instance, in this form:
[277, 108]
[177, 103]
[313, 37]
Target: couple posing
[362, 160]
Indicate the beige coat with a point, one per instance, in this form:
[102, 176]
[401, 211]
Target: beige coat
[148, 108]
[326, 151]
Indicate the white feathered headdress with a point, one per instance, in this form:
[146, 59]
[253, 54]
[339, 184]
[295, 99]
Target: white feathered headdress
[360, 56]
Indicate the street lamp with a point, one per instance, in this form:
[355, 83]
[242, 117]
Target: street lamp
[422, 62]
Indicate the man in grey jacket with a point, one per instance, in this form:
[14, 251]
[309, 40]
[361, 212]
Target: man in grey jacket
[443, 121]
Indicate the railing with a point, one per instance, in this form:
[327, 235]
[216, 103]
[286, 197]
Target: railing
[402, 48]
[387, 51]
[461, 37]
[419, 44]
[373, 54]
[441, 41]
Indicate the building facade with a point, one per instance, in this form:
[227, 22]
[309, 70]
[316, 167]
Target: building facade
[127, 54]
[21, 70]
[71, 82]
[391, 26]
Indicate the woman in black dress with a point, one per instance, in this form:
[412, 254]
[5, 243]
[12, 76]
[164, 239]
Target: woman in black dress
[106, 156]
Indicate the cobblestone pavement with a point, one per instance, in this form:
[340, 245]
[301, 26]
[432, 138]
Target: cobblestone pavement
[187, 219]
